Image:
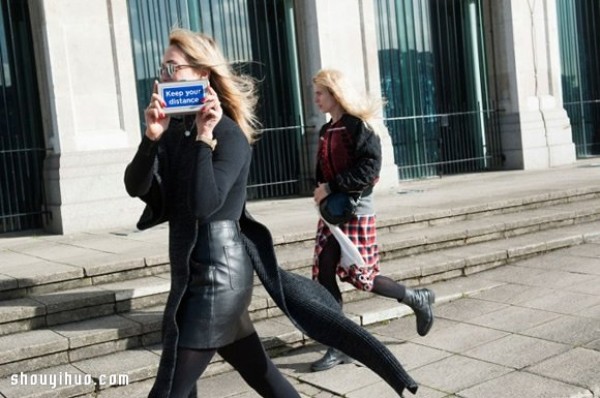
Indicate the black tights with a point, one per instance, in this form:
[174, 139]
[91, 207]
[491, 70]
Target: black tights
[328, 261]
[246, 355]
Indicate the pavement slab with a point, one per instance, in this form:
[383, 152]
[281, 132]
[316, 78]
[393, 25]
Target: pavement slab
[516, 351]
[40, 272]
[456, 373]
[561, 261]
[567, 330]
[514, 319]
[11, 310]
[564, 302]
[459, 337]
[88, 296]
[468, 308]
[135, 390]
[579, 366]
[591, 312]
[512, 293]
[8, 282]
[98, 330]
[134, 365]
[342, 379]
[524, 385]
[31, 344]
[150, 318]
[412, 355]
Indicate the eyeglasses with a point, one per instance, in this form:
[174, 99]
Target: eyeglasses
[171, 69]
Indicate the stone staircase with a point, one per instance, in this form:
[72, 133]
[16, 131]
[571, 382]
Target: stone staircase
[103, 319]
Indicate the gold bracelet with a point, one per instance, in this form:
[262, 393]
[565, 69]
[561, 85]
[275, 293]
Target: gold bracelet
[212, 143]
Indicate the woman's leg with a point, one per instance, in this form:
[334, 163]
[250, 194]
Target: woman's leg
[249, 358]
[328, 262]
[384, 286]
[190, 365]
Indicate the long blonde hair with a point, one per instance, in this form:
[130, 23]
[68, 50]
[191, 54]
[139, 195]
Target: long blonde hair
[366, 108]
[237, 93]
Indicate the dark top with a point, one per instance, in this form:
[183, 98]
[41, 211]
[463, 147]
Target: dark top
[209, 184]
[349, 159]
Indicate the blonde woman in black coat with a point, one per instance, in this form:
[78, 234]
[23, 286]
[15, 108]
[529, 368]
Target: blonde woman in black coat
[191, 172]
[204, 182]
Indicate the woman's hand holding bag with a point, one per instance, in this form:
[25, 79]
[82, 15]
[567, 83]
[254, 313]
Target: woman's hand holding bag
[338, 207]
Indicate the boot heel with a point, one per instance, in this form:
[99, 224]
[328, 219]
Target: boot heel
[331, 358]
[431, 296]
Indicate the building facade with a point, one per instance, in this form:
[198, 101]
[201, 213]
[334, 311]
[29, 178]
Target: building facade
[470, 85]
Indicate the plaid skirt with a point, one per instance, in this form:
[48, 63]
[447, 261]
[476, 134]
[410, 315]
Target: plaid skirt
[362, 232]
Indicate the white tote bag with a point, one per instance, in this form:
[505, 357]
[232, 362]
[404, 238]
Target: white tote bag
[350, 253]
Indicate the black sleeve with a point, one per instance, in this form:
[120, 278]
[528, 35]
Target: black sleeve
[365, 171]
[216, 172]
[138, 174]
[318, 171]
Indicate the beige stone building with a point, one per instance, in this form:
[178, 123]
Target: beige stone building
[470, 85]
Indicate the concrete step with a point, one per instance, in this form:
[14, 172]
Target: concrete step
[101, 376]
[83, 340]
[105, 297]
[400, 240]
[137, 365]
[57, 308]
[57, 263]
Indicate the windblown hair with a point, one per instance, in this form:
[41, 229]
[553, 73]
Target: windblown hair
[363, 107]
[237, 93]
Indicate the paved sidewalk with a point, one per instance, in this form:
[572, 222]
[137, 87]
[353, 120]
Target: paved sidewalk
[529, 330]
[298, 216]
[534, 331]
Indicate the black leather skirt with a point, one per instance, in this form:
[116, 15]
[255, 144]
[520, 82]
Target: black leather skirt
[214, 309]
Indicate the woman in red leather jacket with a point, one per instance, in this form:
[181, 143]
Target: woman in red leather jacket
[349, 160]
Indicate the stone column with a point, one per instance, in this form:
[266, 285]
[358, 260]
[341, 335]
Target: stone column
[536, 131]
[88, 97]
[341, 34]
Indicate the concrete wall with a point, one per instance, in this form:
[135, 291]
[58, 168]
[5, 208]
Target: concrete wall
[536, 132]
[340, 34]
[89, 105]
[88, 97]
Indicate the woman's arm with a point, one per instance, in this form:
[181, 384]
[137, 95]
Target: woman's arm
[216, 172]
[138, 174]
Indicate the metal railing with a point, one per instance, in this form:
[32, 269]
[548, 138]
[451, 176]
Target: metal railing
[435, 145]
[279, 163]
[22, 149]
[258, 36]
[439, 108]
[585, 127]
[579, 33]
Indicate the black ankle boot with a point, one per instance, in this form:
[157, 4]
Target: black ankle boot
[420, 301]
[331, 358]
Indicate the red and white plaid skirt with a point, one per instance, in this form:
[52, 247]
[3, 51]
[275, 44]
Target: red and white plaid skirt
[362, 232]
